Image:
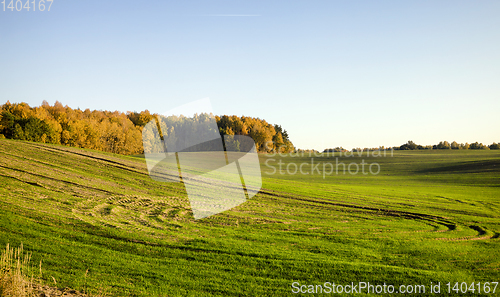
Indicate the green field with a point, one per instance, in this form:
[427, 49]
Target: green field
[97, 220]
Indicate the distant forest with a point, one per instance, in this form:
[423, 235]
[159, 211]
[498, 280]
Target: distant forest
[117, 132]
[410, 145]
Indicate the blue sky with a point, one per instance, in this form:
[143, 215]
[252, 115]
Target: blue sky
[332, 73]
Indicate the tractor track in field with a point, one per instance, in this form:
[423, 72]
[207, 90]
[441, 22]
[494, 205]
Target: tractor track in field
[429, 219]
[482, 234]
[50, 178]
[102, 160]
[450, 225]
[20, 180]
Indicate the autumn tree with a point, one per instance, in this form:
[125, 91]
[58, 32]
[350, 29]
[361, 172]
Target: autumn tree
[494, 146]
[454, 145]
[443, 145]
[410, 145]
[121, 133]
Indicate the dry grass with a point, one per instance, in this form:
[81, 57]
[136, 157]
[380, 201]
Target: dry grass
[16, 277]
[14, 273]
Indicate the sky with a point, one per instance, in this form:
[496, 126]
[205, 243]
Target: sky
[331, 73]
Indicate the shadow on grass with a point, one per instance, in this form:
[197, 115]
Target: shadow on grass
[467, 167]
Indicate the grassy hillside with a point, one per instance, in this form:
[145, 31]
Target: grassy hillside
[98, 220]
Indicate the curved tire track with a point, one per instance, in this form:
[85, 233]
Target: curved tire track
[450, 225]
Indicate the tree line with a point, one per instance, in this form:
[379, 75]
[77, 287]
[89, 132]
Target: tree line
[410, 145]
[445, 145]
[117, 132]
[267, 137]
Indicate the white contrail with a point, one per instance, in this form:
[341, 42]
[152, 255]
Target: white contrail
[233, 15]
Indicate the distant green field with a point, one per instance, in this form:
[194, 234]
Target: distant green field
[427, 216]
